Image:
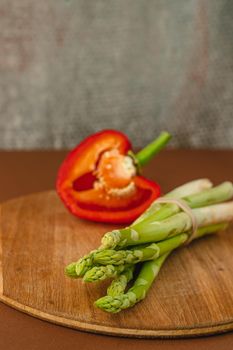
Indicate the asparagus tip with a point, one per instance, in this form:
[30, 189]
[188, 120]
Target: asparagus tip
[70, 270]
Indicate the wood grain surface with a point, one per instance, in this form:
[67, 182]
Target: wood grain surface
[192, 295]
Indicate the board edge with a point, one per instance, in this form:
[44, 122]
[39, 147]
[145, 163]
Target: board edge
[120, 332]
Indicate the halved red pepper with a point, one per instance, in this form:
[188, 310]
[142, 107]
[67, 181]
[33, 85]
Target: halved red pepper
[99, 179]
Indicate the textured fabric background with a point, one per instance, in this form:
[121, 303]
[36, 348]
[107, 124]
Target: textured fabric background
[72, 67]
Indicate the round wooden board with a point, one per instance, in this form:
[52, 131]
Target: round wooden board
[191, 297]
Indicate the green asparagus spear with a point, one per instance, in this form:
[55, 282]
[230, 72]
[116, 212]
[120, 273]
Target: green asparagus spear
[133, 256]
[119, 284]
[210, 229]
[182, 191]
[70, 270]
[79, 268]
[100, 273]
[148, 273]
[189, 188]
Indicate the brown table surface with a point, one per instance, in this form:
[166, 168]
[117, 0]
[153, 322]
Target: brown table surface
[25, 172]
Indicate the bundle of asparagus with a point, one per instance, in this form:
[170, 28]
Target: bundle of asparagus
[165, 226]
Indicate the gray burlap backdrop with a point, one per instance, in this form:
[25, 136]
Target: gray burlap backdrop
[72, 67]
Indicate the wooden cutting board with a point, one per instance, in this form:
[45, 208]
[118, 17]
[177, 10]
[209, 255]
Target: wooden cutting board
[192, 296]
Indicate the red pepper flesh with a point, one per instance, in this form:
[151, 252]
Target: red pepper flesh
[98, 180]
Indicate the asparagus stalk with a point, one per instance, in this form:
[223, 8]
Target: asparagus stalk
[100, 273]
[210, 229]
[174, 225]
[185, 190]
[79, 268]
[189, 188]
[119, 284]
[148, 273]
[70, 270]
[133, 256]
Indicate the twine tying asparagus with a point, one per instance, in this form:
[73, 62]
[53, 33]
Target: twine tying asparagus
[183, 206]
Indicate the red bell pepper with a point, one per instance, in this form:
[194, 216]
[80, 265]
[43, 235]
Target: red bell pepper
[99, 179]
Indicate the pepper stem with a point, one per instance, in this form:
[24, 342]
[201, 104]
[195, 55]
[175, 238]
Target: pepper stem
[147, 153]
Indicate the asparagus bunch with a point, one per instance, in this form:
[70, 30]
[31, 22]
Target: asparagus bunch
[162, 228]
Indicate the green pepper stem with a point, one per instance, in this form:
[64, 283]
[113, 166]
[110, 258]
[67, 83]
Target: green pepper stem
[147, 153]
